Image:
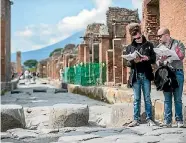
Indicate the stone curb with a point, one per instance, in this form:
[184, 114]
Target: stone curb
[113, 95]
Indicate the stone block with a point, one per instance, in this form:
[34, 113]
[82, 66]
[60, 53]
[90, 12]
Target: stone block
[68, 115]
[122, 114]
[12, 116]
[77, 138]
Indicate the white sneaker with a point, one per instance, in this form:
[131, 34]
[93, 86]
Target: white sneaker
[133, 123]
[180, 124]
[166, 125]
[151, 123]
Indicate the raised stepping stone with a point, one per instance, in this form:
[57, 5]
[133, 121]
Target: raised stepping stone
[21, 83]
[16, 92]
[12, 116]
[122, 114]
[60, 91]
[68, 115]
[39, 90]
[33, 82]
[64, 85]
[44, 83]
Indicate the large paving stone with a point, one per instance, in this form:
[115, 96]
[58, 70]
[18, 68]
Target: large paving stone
[12, 116]
[122, 114]
[36, 116]
[23, 133]
[77, 138]
[68, 115]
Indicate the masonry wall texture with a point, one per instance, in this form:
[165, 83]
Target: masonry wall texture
[151, 20]
[120, 14]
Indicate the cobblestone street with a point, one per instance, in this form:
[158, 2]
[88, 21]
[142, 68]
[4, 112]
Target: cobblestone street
[37, 108]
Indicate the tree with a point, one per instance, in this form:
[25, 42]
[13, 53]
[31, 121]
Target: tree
[30, 63]
[56, 50]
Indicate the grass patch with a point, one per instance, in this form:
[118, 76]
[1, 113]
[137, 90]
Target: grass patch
[3, 92]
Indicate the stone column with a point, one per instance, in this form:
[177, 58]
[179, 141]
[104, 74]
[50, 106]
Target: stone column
[81, 53]
[86, 54]
[3, 64]
[103, 47]
[5, 43]
[109, 64]
[117, 61]
[18, 62]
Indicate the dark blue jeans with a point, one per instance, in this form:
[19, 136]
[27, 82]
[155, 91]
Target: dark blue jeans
[144, 84]
[177, 100]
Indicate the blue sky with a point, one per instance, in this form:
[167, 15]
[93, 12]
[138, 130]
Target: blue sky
[38, 23]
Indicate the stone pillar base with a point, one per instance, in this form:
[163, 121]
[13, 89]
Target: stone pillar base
[5, 86]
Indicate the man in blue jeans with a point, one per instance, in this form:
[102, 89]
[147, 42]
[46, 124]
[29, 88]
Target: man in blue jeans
[141, 73]
[178, 47]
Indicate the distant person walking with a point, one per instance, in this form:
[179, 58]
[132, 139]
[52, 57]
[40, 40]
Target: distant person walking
[26, 74]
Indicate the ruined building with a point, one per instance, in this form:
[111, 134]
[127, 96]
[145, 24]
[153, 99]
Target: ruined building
[18, 62]
[5, 44]
[59, 60]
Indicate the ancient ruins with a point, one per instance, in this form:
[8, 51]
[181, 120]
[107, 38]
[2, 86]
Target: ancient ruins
[50, 111]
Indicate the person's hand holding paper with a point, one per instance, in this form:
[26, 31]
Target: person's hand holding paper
[136, 56]
[163, 51]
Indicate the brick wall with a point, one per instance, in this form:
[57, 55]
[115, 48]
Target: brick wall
[151, 19]
[174, 20]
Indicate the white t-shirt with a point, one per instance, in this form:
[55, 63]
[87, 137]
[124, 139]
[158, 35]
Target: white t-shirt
[26, 73]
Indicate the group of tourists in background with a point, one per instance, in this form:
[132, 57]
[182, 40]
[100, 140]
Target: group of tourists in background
[28, 76]
[168, 78]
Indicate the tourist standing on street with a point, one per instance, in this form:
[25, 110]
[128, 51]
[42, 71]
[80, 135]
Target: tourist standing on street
[26, 73]
[141, 73]
[178, 47]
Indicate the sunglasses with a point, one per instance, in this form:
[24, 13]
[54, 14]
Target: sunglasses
[134, 33]
[159, 36]
[137, 38]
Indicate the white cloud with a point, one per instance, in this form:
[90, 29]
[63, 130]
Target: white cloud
[38, 36]
[137, 4]
[26, 33]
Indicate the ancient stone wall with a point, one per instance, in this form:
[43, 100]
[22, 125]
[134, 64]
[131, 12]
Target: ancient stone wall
[120, 15]
[151, 19]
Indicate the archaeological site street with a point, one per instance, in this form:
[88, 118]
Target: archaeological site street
[42, 106]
